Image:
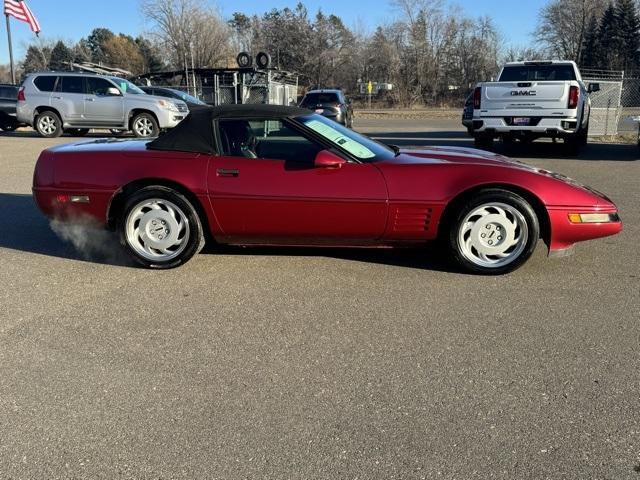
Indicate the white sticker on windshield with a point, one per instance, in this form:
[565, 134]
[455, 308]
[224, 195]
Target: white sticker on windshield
[335, 136]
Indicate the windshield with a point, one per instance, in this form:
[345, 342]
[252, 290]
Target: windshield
[361, 147]
[126, 86]
[188, 98]
[530, 73]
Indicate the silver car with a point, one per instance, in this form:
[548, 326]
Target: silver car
[55, 103]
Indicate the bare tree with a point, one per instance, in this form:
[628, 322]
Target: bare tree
[187, 27]
[563, 24]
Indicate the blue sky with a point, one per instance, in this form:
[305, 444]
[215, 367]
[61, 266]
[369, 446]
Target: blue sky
[74, 19]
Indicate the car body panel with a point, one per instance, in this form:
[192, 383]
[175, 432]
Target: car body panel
[397, 200]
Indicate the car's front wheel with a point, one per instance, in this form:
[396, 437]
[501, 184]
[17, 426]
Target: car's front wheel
[494, 233]
[48, 124]
[160, 228]
[144, 125]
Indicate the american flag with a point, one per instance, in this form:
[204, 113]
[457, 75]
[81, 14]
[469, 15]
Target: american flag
[19, 10]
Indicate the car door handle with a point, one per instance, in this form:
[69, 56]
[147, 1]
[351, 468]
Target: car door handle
[90, 99]
[57, 98]
[228, 172]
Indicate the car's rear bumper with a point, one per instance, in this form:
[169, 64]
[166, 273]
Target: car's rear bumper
[540, 126]
[74, 206]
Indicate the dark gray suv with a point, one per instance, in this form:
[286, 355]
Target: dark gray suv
[331, 104]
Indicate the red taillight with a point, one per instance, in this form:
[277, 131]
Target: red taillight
[477, 98]
[21, 97]
[574, 96]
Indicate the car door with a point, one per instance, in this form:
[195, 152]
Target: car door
[264, 188]
[68, 98]
[100, 106]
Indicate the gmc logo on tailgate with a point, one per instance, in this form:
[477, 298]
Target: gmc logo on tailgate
[523, 93]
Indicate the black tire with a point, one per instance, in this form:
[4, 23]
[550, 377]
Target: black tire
[9, 127]
[244, 60]
[263, 60]
[193, 241]
[48, 124]
[454, 230]
[144, 125]
[483, 142]
[77, 132]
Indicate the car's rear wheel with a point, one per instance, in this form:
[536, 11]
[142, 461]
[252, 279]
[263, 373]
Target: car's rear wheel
[494, 233]
[48, 124]
[160, 228]
[144, 125]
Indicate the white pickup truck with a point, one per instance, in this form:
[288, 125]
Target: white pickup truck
[531, 100]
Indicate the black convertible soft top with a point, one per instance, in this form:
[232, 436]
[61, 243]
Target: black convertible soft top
[195, 133]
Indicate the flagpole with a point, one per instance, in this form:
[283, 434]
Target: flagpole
[13, 72]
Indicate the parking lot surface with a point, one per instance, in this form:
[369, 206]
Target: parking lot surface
[318, 363]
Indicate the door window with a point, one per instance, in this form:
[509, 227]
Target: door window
[98, 86]
[269, 139]
[71, 85]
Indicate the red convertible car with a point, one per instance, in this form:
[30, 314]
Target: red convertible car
[258, 174]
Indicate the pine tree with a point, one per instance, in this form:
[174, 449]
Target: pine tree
[590, 45]
[607, 51]
[61, 56]
[628, 40]
[36, 59]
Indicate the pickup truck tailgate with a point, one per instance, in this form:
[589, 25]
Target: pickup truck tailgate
[514, 96]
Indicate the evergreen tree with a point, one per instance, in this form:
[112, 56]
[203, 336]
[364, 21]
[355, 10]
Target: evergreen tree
[36, 59]
[590, 45]
[152, 60]
[61, 56]
[96, 41]
[607, 57]
[628, 40]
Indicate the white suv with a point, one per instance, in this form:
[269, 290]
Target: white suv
[54, 103]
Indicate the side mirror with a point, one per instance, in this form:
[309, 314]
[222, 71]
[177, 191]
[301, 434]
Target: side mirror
[326, 159]
[113, 92]
[593, 87]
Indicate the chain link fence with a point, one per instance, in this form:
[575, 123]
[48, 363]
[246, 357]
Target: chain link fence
[617, 104]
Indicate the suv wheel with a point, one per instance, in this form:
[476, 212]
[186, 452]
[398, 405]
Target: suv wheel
[145, 125]
[48, 124]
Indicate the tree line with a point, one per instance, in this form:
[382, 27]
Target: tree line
[594, 33]
[430, 52]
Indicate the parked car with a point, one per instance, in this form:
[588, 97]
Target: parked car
[8, 102]
[330, 103]
[467, 113]
[54, 103]
[266, 174]
[190, 100]
[531, 100]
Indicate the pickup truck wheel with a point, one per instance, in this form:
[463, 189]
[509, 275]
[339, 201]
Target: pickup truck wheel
[48, 124]
[483, 142]
[8, 127]
[160, 228]
[494, 233]
[145, 125]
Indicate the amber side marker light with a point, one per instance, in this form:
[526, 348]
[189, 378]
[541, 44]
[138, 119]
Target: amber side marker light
[593, 217]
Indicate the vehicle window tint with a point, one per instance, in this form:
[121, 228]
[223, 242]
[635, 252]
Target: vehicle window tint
[269, 139]
[98, 86]
[8, 92]
[45, 83]
[320, 98]
[530, 73]
[71, 85]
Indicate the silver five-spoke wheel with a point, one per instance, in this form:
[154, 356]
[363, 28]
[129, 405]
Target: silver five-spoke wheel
[157, 229]
[493, 235]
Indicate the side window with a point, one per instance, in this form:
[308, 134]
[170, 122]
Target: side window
[98, 86]
[269, 139]
[71, 85]
[45, 83]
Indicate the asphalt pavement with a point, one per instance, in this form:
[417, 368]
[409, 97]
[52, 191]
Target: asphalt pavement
[269, 363]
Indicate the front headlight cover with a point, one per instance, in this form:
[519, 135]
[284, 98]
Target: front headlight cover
[593, 217]
[167, 105]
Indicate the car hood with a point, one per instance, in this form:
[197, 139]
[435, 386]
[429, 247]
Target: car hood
[457, 155]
